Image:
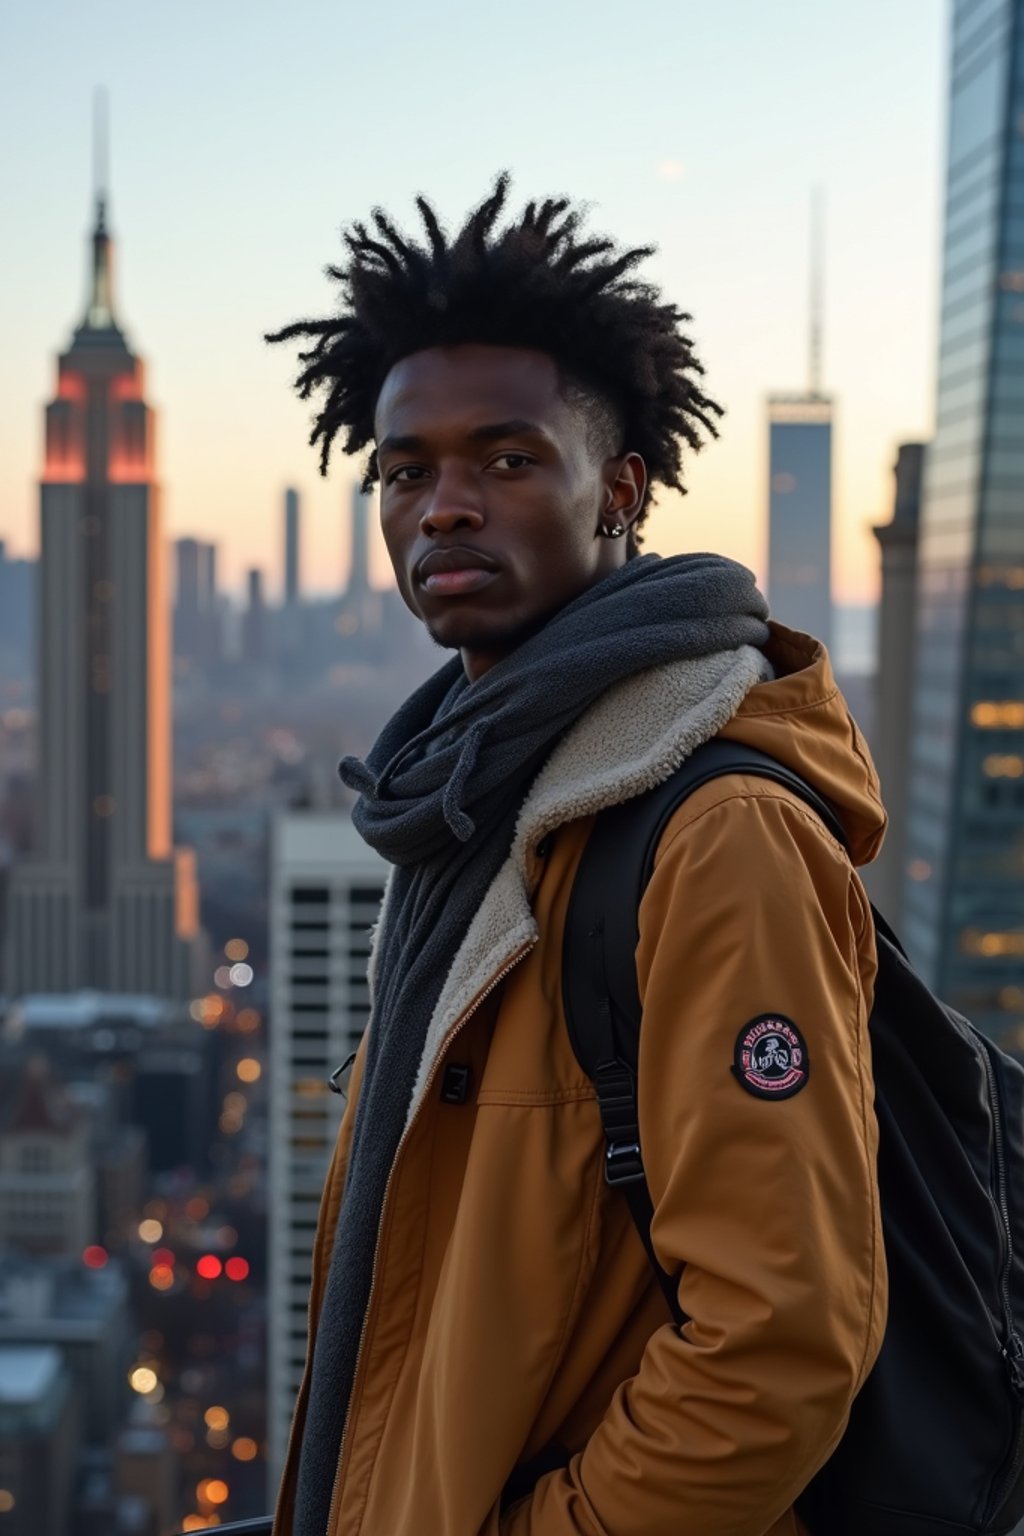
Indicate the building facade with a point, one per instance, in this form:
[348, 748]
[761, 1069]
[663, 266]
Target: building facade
[894, 677]
[800, 512]
[38, 1441]
[107, 902]
[292, 579]
[47, 1179]
[326, 888]
[81, 1312]
[359, 533]
[964, 893]
[17, 625]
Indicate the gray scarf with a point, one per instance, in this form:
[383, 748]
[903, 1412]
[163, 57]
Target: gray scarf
[440, 795]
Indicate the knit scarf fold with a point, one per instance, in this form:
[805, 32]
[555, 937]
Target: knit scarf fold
[441, 792]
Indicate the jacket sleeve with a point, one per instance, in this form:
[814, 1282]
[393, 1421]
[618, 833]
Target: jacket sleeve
[769, 1199]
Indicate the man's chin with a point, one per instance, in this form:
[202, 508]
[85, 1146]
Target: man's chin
[491, 642]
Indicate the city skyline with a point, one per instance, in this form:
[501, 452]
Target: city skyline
[225, 235]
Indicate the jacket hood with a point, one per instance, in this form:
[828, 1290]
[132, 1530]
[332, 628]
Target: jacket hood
[802, 720]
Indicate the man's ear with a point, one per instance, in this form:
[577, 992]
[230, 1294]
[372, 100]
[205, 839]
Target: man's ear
[625, 482]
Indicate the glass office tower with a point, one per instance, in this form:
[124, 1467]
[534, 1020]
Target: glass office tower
[800, 512]
[964, 912]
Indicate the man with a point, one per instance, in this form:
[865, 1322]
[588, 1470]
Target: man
[489, 1349]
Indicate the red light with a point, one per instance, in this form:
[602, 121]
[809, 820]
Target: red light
[124, 470]
[162, 1256]
[95, 1256]
[127, 386]
[237, 1269]
[209, 1266]
[67, 471]
[71, 386]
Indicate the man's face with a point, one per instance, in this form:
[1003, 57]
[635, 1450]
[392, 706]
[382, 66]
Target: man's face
[493, 495]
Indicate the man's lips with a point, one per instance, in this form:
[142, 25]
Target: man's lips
[448, 572]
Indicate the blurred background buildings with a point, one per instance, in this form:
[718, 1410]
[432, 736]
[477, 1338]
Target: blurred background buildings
[169, 1021]
[142, 1390]
[964, 893]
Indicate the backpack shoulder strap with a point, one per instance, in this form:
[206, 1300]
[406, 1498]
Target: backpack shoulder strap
[599, 985]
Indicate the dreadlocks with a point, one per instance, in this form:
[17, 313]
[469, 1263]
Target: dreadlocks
[536, 283]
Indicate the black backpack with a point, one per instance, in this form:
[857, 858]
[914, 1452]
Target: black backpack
[935, 1440]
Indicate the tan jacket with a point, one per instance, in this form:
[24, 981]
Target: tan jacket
[512, 1303]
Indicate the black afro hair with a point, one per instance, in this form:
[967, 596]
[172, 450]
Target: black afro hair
[536, 282]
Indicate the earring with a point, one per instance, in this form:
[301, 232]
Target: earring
[614, 532]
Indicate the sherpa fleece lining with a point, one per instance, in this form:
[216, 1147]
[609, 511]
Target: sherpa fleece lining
[634, 737]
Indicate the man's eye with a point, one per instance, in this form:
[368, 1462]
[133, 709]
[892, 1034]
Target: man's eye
[512, 460]
[405, 473]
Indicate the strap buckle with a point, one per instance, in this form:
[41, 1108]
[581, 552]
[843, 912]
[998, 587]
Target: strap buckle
[339, 1079]
[623, 1163]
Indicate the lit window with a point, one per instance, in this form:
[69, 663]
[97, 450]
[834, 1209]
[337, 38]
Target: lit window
[1005, 765]
[1003, 714]
[992, 945]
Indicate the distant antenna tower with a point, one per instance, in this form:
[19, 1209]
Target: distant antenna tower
[817, 286]
[100, 148]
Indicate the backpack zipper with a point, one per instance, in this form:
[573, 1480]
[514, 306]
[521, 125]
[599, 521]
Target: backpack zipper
[456, 1029]
[1013, 1349]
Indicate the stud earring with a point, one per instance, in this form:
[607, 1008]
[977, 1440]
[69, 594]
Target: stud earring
[614, 532]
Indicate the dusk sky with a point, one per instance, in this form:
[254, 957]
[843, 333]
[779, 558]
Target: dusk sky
[244, 135]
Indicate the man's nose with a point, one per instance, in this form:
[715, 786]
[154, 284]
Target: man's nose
[453, 504]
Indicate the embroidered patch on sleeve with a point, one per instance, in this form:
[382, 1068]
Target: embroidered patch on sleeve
[770, 1059]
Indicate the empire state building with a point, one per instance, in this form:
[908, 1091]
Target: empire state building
[106, 902]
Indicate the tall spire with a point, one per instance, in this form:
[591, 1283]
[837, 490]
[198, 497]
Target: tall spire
[99, 314]
[816, 287]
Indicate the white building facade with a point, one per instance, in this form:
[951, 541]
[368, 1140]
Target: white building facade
[326, 888]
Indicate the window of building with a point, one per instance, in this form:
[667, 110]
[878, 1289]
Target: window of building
[36, 1158]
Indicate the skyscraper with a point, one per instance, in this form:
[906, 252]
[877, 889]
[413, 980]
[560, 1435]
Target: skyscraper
[107, 902]
[17, 621]
[187, 603]
[800, 512]
[800, 489]
[291, 549]
[326, 887]
[196, 611]
[894, 679]
[359, 566]
[964, 899]
[254, 620]
[210, 603]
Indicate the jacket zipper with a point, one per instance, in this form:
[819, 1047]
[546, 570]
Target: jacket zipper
[1013, 1348]
[456, 1029]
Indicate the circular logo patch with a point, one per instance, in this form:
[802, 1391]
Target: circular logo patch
[770, 1059]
